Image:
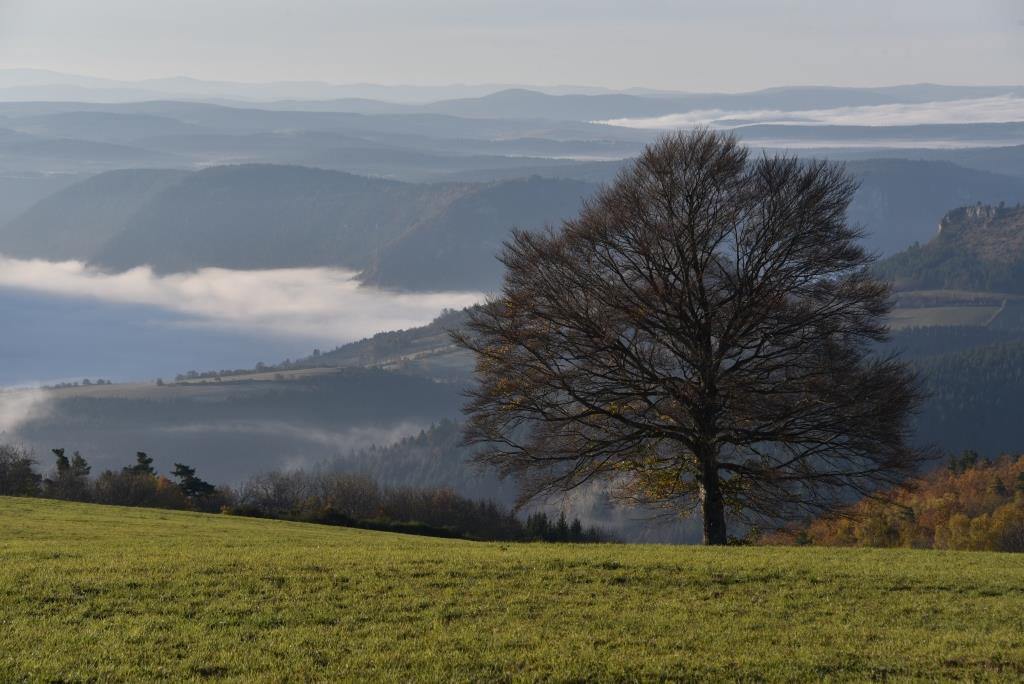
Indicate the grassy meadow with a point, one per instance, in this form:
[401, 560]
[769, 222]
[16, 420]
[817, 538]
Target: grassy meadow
[105, 594]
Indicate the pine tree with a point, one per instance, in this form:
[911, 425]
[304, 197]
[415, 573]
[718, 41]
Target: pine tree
[143, 465]
[72, 478]
[191, 486]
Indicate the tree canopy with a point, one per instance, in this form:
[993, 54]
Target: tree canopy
[701, 336]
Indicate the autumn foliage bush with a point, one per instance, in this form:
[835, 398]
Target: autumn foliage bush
[974, 504]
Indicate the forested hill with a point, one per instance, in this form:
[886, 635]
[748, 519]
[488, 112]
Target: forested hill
[414, 236]
[977, 248]
[468, 235]
[421, 236]
[73, 222]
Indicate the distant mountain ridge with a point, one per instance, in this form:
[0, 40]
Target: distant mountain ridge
[510, 133]
[486, 100]
[520, 102]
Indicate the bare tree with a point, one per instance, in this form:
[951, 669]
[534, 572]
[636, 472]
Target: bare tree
[700, 335]
[17, 472]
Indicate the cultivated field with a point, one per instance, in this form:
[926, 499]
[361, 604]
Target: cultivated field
[91, 593]
[925, 317]
[926, 308]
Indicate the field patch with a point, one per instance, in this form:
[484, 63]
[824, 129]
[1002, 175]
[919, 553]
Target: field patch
[924, 317]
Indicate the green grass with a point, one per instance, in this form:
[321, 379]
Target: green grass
[94, 593]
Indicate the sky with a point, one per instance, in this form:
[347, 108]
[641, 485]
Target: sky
[721, 45]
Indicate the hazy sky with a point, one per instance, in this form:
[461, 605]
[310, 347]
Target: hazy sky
[686, 45]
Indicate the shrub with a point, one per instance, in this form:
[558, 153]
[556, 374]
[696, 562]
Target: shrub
[17, 472]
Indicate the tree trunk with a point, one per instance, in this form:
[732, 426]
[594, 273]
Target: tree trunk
[713, 505]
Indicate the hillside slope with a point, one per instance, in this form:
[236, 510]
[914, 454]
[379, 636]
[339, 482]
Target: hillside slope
[102, 593]
[262, 216]
[974, 398]
[401, 235]
[417, 236]
[19, 191]
[425, 350]
[900, 202]
[974, 504]
[108, 127]
[458, 249]
[237, 428]
[977, 248]
[73, 222]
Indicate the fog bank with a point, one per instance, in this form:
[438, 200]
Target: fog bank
[320, 303]
[978, 110]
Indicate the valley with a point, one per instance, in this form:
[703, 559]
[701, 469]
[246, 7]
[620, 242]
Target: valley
[378, 215]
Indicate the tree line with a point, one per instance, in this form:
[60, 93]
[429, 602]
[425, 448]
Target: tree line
[138, 484]
[315, 497]
[974, 396]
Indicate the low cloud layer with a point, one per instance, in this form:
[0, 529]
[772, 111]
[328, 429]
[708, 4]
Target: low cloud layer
[338, 444]
[319, 303]
[19, 405]
[978, 110]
